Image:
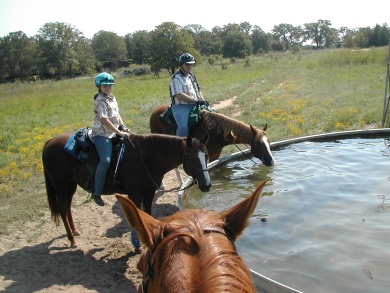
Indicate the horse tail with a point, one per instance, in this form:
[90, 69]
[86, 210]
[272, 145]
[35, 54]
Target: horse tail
[51, 193]
[52, 200]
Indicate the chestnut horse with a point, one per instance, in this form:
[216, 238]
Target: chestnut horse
[193, 250]
[222, 131]
[147, 158]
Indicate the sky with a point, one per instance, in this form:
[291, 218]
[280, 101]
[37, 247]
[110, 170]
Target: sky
[129, 16]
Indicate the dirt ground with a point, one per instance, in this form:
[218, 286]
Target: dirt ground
[38, 257]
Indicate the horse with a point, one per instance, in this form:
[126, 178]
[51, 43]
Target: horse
[223, 131]
[147, 158]
[193, 250]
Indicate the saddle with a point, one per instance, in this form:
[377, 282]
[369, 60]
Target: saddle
[81, 147]
[193, 119]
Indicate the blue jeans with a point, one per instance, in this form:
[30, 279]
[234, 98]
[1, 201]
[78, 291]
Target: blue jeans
[181, 113]
[104, 148]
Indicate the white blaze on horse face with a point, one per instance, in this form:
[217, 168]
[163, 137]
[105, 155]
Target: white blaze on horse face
[203, 161]
[267, 145]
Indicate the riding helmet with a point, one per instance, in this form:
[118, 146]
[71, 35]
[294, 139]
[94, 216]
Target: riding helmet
[186, 58]
[104, 78]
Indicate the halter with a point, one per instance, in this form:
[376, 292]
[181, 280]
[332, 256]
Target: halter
[179, 232]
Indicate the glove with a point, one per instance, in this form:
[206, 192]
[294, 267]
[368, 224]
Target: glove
[202, 103]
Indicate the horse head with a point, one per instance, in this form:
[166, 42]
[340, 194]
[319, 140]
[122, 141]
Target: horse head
[261, 146]
[193, 250]
[195, 163]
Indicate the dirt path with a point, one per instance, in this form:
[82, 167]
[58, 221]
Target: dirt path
[37, 257]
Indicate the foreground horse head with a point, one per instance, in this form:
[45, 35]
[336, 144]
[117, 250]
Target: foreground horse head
[193, 250]
[223, 131]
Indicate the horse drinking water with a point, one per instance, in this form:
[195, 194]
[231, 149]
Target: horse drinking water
[147, 158]
[193, 250]
[223, 131]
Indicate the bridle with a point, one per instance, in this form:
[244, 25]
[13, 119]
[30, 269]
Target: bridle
[183, 231]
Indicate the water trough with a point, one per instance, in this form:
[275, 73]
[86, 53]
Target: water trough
[263, 283]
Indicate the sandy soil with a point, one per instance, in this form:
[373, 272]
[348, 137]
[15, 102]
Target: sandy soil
[37, 257]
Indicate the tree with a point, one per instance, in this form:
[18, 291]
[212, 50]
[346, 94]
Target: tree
[288, 34]
[169, 41]
[317, 32]
[86, 61]
[17, 53]
[208, 43]
[56, 46]
[261, 42]
[109, 49]
[236, 44]
[138, 46]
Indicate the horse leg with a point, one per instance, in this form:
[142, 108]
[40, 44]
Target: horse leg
[65, 202]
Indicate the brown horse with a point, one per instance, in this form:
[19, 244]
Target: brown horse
[193, 250]
[145, 161]
[222, 131]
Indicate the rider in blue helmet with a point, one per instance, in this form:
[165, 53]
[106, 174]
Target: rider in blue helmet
[185, 92]
[107, 124]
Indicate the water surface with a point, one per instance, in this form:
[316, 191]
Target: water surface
[323, 223]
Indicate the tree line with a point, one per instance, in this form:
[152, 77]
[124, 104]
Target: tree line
[59, 50]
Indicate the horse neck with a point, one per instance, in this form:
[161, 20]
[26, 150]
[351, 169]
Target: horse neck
[164, 152]
[223, 269]
[224, 124]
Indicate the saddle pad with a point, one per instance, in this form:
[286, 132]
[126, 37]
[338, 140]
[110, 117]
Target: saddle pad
[72, 148]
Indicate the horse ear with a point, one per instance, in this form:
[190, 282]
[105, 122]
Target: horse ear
[236, 218]
[148, 228]
[230, 136]
[265, 127]
[253, 130]
[189, 141]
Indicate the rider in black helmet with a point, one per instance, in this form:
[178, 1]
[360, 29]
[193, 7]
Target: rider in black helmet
[185, 92]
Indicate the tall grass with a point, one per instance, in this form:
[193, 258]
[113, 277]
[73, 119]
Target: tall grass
[296, 94]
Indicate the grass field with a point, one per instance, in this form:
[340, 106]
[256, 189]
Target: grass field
[299, 94]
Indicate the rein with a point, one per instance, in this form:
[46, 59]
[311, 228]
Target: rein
[150, 265]
[193, 174]
[245, 153]
[143, 163]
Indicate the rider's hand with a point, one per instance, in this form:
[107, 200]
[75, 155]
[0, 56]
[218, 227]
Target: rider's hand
[202, 103]
[125, 134]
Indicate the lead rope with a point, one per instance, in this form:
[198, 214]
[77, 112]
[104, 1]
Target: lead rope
[245, 153]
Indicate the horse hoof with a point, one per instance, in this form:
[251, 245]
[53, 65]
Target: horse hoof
[73, 245]
[76, 233]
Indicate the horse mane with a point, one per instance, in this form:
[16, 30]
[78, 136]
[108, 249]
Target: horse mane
[157, 142]
[224, 124]
[218, 263]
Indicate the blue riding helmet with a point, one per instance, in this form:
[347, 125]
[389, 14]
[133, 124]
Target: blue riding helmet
[186, 58]
[104, 78]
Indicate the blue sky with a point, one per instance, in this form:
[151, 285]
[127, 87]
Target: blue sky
[129, 16]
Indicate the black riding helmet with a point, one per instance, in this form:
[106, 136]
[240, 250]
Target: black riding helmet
[186, 58]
